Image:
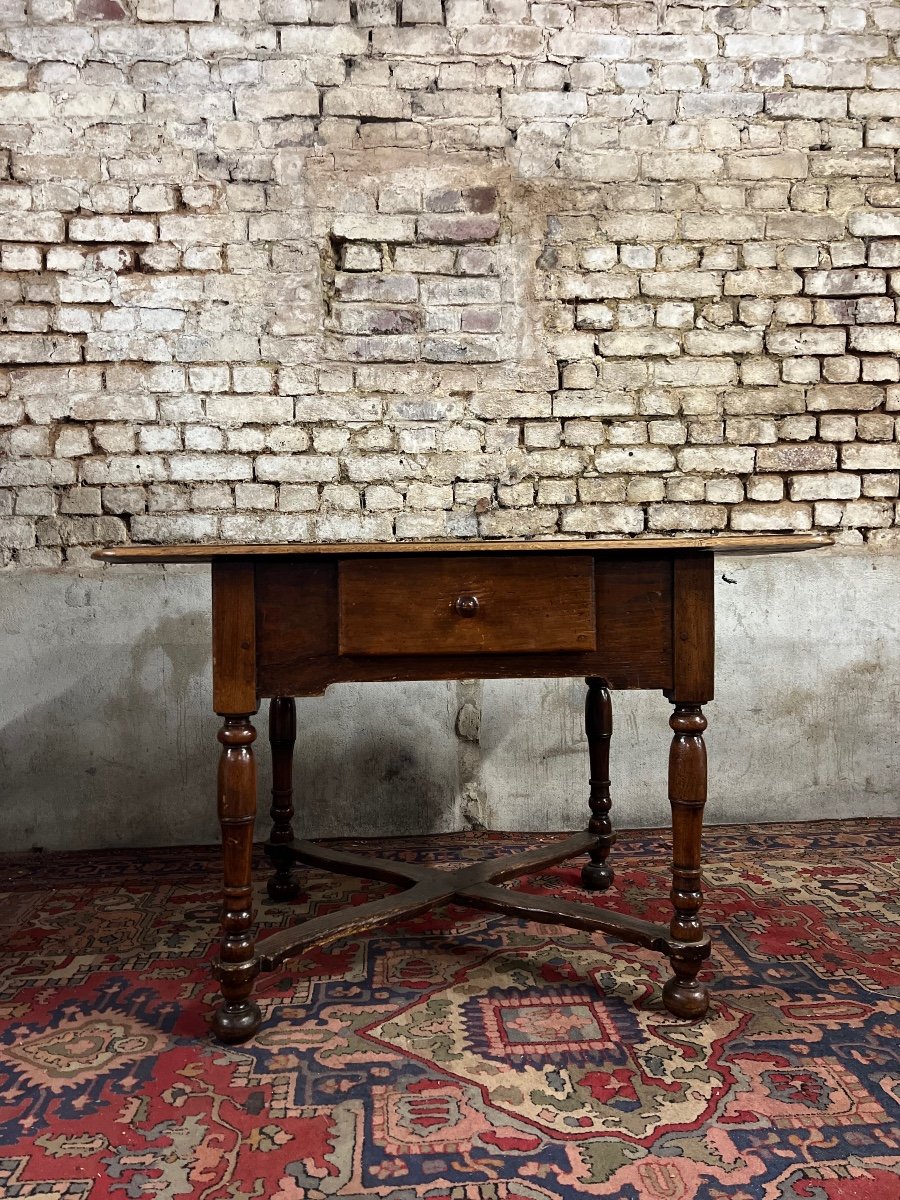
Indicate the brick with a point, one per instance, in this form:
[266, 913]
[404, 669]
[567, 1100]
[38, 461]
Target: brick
[112, 229]
[717, 460]
[637, 344]
[245, 409]
[699, 518]
[210, 229]
[760, 518]
[785, 164]
[874, 222]
[603, 518]
[38, 348]
[669, 47]
[682, 284]
[832, 485]
[381, 103]
[685, 165]
[634, 459]
[322, 41]
[876, 340]
[766, 487]
[597, 285]
[695, 372]
[80, 531]
[346, 407]
[762, 283]
[806, 341]
[514, 523]
[854, 514]
[768, 45]
[723, 284]
[803, 227]
[213, 467]
[713, 105]
[371, 228]
[544, 105]
[726, 341]
[844, 283]
[871, 457]
[173, 529]
[446, 227]
[515, 41]
[296, 468]
[260, 103]
[31, 227]
[808, 456]
[807, 103]
[878, 104]
[851, 164]
[838, 397]
[592, 316]
[723, 227]
[588, 45]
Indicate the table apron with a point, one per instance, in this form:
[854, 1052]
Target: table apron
[297, 606]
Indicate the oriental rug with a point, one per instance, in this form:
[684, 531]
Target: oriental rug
[460, 1055]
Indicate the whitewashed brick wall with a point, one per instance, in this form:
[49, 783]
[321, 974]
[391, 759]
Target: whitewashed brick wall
[307, 270]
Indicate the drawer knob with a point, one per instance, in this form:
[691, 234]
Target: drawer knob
[466, 606]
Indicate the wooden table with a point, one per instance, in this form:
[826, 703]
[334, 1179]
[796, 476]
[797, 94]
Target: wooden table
[288, 620]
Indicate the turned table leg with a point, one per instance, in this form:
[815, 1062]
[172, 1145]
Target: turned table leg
[237, 1017]
[282, 734]
[683, 995]
[596, 875]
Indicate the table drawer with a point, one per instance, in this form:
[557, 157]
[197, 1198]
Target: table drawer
[456, 604]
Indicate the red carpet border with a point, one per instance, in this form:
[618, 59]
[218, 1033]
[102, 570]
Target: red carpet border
[460, 1055]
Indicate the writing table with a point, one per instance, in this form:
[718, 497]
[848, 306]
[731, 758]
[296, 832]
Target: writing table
[288, 620]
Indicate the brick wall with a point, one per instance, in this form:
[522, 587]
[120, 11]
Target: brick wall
[307, 270]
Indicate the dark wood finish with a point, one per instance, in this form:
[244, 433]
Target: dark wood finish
[427, 887]
[282, 735]
[290, 620]
[298, 639]
[756, 543]
[237, 1017]
[683, 994]
[597, 875]
[234, 637]
[466, 604]
[693, 636]
[476, 885]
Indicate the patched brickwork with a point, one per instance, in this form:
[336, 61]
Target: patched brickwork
[296, 270]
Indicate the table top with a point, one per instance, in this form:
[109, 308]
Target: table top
[724, 544]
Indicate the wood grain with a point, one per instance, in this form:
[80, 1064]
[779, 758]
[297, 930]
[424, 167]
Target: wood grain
[290, 620]
[514, 604]
[597, 875]
[234, 637]
[724, 544]
[476, 885]
[683, 994]
[693, 632]
[299, 654]
[238, 1016]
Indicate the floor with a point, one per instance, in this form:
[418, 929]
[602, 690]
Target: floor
[461, 1055]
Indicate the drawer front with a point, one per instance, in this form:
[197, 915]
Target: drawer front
[455, 604]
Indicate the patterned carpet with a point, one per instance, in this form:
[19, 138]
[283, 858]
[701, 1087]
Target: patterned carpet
[460, 1055]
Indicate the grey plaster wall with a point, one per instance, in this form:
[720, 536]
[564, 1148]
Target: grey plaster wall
[107, 738]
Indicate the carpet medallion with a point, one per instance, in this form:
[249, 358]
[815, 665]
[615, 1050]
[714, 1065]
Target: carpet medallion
[459, 1055]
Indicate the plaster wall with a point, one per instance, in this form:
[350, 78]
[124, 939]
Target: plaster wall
[107, 738]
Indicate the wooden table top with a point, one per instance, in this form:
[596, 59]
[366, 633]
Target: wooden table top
[724, 544]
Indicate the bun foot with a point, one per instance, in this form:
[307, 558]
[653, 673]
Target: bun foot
[283, 887]
[686, 998]
[596, 877]
[235, 1022]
